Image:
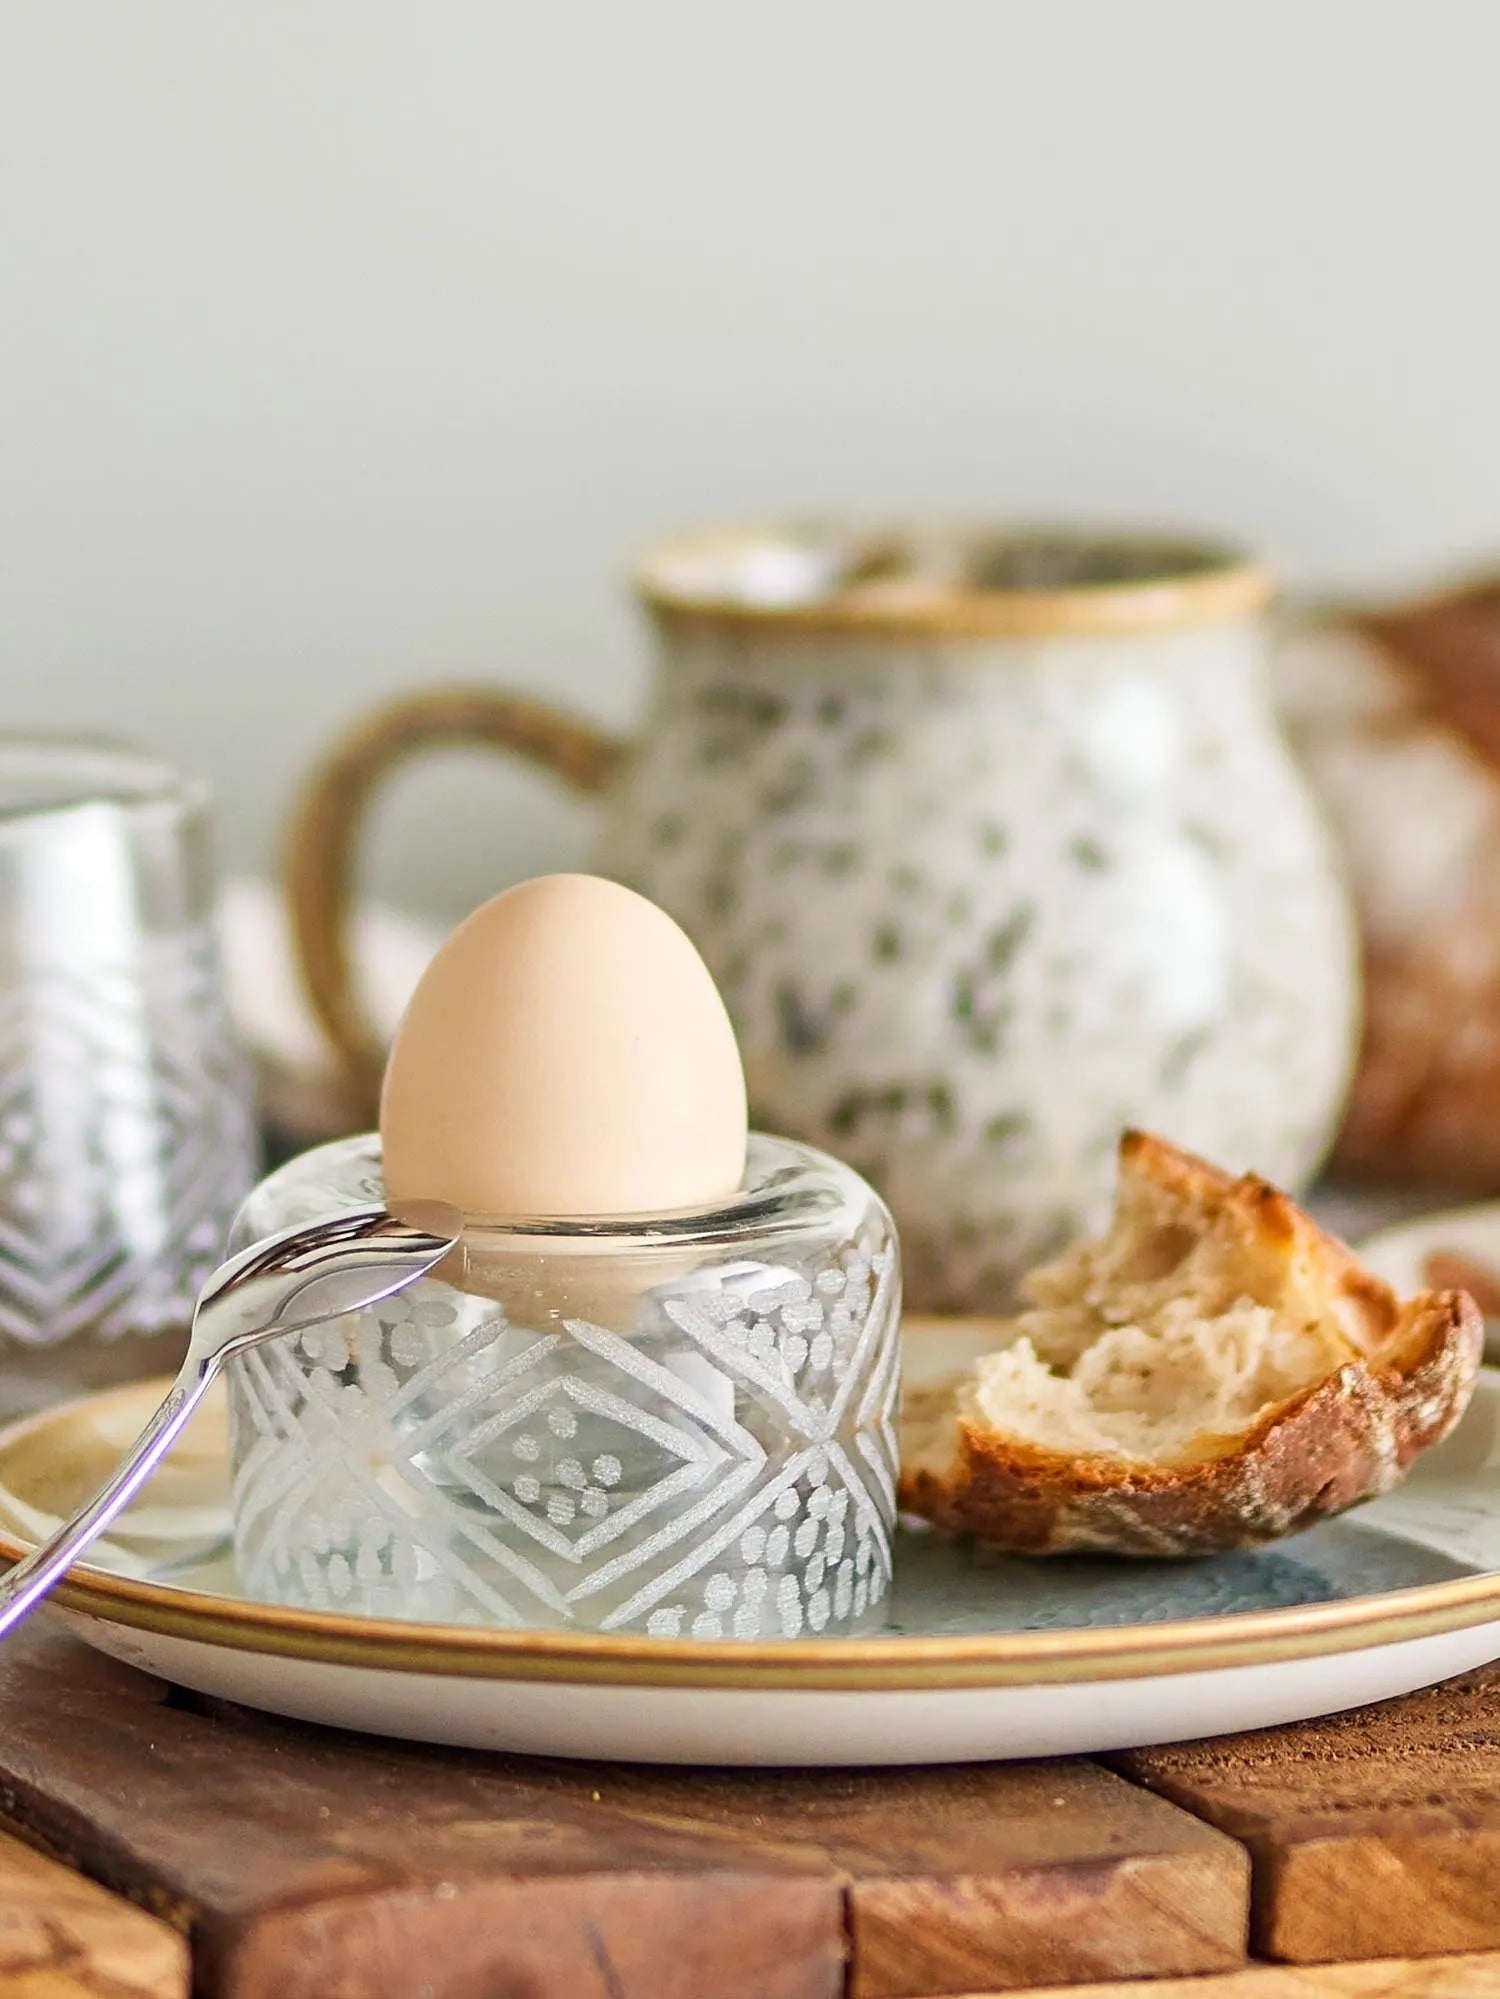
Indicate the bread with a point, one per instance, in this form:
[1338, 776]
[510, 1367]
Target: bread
[1213, 1373]
[1395, 714]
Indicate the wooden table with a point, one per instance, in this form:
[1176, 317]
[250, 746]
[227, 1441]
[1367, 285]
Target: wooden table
[158, 1842]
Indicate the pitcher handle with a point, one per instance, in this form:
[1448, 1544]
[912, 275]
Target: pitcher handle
[317, 864]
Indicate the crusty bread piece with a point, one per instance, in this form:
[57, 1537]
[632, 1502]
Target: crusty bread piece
[1213, 1373]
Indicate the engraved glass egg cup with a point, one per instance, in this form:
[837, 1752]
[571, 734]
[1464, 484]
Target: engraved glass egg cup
[678, 1426]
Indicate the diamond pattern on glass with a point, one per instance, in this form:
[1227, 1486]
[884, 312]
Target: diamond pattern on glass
[126, 1142]
[726, 1471]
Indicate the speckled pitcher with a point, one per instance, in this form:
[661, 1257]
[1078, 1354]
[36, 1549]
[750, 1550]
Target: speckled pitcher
[992, 845]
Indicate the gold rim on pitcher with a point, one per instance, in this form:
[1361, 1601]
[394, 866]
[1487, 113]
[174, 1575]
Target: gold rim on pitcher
[951, 581]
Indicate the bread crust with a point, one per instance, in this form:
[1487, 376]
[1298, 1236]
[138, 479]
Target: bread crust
[1343, 1439]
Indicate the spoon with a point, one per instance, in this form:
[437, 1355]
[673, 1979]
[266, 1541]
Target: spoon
[293, 1280]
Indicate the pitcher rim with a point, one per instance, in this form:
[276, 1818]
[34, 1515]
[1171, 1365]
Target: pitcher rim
[980, 579]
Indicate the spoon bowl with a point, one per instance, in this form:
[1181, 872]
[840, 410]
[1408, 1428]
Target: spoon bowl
[299, 1278]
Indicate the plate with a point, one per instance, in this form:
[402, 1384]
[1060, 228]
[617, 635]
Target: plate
[1399, 1254]
[985, 1656]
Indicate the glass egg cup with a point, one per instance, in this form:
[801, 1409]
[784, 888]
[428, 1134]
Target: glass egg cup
[675, 1426]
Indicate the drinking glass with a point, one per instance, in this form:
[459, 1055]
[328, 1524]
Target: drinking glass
[127, 1138]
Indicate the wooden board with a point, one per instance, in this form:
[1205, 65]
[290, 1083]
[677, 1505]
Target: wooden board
[1467, 1977]
[1373, 1834]
[61, 1937]
[1003, 1874]
[312, 1863]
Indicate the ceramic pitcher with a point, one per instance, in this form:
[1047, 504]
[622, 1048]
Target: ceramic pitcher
[991, 843]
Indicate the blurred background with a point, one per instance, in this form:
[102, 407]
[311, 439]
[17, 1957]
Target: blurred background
[354, 346]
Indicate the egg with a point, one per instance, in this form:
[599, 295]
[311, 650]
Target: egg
[565, 1054]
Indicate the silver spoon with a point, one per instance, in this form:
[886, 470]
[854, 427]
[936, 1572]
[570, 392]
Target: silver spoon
[283, 1285]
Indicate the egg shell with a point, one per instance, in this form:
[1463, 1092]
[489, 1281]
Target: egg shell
[565, 1054]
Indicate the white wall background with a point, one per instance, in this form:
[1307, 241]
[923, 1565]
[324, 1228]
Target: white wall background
[346, 344]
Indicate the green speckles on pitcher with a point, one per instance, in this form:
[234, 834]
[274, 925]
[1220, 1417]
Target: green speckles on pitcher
[987, 873]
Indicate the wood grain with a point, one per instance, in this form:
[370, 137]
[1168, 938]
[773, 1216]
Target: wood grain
[1468, 1977]
[1001, 1874]
[1373, 1834]
[312, 1865]
[62, 1937]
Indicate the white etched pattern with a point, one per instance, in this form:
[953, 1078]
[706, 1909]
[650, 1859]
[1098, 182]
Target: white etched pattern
[724, 1472]
[126, 1142]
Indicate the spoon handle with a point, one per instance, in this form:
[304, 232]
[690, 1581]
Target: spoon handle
[33, 1577]
[299, 1278]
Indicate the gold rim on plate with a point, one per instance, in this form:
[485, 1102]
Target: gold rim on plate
[1011, 1659]
[1037, 1658]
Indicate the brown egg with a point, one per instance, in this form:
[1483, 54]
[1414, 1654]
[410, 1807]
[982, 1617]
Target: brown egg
[565, 1054]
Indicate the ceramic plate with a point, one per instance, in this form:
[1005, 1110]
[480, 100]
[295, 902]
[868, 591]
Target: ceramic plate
[1400, 1254]
[984, 1656]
